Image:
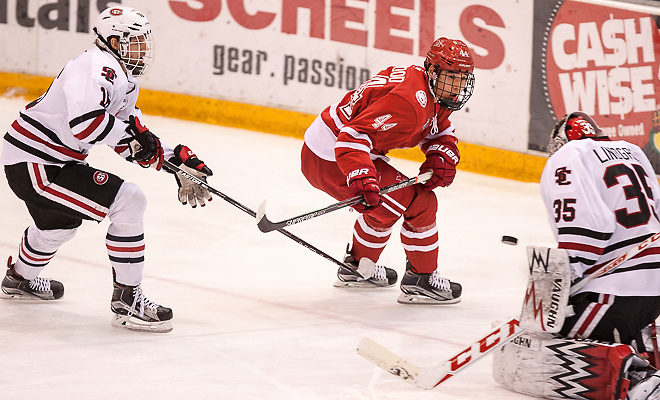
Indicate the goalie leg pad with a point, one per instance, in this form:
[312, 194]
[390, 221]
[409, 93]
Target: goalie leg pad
[542, 365]
[546, 300]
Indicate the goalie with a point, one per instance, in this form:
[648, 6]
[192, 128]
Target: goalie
[601, 197]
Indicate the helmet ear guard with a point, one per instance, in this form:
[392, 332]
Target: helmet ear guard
[449, 66]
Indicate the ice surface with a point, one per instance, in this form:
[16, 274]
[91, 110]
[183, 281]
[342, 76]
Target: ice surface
[255, 314]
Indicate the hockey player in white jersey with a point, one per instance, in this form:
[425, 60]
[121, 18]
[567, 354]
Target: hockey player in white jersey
[602, 198]
[92, 102]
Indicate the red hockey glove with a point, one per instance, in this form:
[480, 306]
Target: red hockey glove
[145, 147]
[189, 191]
[363, 181]
[441, 158]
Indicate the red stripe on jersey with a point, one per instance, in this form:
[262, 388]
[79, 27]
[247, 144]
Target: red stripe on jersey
[63, 196]
[60, 149]
[581, 247]
[125, 249]
[592, 314]
[91, 128]
[327, 119]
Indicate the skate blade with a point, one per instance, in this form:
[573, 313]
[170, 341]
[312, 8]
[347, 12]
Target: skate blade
[135, 324]
[358, 285]
[22, 296]
[405, 298]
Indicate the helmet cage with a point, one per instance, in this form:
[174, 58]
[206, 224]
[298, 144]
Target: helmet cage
[137, 52]
[450, 89]
[449, 66]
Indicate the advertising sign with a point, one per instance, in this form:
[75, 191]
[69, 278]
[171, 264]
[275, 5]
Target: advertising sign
[602, 58]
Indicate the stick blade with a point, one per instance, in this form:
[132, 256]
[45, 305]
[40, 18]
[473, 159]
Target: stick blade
[263, 223]
[388, 361]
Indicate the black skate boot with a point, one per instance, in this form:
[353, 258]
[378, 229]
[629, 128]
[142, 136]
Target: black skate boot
[428, 288]
[378, 275]
[15, 286]
[135, 312]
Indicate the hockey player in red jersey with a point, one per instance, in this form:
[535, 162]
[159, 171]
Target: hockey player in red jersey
[344, 155]
[92, 102]
[602, 198]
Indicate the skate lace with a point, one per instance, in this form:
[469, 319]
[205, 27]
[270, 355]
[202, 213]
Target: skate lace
[439, 282]
[40, 284]
[379, 273]
[139, 299]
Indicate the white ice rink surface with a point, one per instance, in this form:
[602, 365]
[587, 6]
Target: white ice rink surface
[256, 315]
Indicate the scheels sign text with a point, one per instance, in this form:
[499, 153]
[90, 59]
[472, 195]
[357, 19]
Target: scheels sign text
[392, 21]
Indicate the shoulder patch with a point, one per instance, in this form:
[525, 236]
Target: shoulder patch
[421, 98]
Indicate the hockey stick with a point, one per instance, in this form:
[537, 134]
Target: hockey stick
[430, 377]
[267, 226]
[174, 169]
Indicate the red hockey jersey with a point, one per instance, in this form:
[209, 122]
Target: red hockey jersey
[392, 110]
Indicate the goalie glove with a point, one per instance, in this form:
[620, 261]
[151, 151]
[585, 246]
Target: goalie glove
[144, 146]
[441, 157]
[189, 191]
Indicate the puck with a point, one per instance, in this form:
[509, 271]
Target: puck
[510, 240]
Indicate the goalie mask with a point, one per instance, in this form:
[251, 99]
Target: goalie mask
[573, 126]
[131, 28]
[450, 67]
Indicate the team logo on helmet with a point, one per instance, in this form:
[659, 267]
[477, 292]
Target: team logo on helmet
[578, 128]
[116, 11]
[100, 177]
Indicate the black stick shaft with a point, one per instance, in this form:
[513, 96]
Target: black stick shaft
[265, 225]
[173, 168]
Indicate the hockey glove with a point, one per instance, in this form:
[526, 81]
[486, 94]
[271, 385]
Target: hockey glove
[363, 181]
[144, 146]
[441, 158]
[189, 191]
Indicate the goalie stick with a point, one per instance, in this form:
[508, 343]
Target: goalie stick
[266, 225]
[430, 377]
[174, 169]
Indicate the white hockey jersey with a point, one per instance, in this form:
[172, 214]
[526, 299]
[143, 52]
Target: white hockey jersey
[602, 198]
[88, 103]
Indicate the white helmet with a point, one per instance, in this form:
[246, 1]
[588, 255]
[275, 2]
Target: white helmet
[132, 29]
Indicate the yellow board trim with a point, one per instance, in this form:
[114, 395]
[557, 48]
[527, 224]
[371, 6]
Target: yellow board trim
[474, 158]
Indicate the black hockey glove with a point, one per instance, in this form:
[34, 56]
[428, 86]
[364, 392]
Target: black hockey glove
[189, 191]
[145, 147]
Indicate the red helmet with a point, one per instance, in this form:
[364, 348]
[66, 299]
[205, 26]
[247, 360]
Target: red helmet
[450, 55]
[577, 127]
[573, 126]
[450, 68]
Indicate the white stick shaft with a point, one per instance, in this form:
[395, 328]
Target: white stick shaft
[632, 252]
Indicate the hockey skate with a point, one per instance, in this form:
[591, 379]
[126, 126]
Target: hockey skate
[378, 275]
[428, 289]
[135, 312]
[15, 286]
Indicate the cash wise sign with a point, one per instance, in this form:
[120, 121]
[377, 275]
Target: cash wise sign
[604, 61]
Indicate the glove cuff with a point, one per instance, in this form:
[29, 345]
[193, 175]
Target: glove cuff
[446, 148]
